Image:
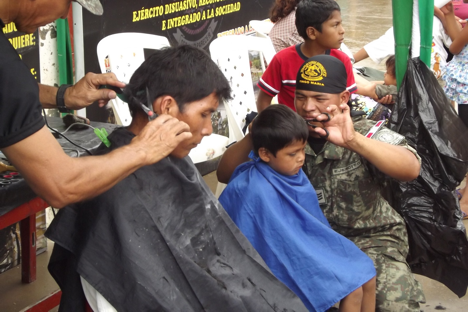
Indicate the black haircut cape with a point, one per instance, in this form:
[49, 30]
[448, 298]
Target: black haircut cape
[160, 241]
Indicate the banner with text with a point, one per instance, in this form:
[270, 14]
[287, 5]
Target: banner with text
[27, 46]
[192, 22]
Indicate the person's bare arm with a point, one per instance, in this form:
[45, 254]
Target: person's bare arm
[61, 180]
[235, 155]
[263, 101]
[440, 15]
[458, 44]
[395, 161]
[365, 87]
[451, 24]
[360, 55]
[368, 88]
[83, 93]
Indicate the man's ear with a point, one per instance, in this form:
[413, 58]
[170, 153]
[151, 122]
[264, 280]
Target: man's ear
[165, 105]
[344, 97]
[264, 154]
[311, 32]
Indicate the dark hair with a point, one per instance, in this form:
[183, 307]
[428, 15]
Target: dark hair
[276, 127]
[282, 8]
[391, 65]
[313, 13]
[185, 73]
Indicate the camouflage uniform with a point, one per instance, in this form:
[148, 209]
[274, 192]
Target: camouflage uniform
[349, 193]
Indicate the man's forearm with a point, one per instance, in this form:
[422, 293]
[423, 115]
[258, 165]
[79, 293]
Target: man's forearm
[62, 180]
[360, 55]
[235, 155]
[47, 96]
[395, 161]
[88, 177]
[263, 101]
[365, 87]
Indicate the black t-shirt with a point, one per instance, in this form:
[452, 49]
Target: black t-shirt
[20, 109]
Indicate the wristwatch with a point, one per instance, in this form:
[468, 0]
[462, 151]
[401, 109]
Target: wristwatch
[59, 99]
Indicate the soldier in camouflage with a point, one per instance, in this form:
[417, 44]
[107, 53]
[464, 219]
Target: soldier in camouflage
[348, 188]
[347, 160]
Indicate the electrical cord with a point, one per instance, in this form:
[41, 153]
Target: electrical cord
[73, 150]
[57, 132]
[76, 123]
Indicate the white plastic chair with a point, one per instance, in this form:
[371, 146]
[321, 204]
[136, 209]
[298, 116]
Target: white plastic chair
[262, 28]
[234, 56]
[122, 54]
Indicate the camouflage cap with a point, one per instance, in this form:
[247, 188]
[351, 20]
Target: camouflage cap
[94, 6]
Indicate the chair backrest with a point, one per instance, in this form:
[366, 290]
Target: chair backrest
[122, 54]
[238, 56]
[262, 28]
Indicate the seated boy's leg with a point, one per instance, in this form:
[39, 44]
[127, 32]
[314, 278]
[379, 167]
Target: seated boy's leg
[352, 302]
[396, 288]
[369, 296]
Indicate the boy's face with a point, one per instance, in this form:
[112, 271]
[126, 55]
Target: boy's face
[198, 115]
[332, 34]
[288, 160]
[308, 102]
[389, 78]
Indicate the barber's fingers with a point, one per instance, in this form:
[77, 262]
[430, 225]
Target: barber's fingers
[94, 81]
[172, 129]
[160, 137]
[103, 79]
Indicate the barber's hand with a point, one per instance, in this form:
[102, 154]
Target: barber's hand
[386, 100]
[86, 91]
[340, 127]
[160, 137]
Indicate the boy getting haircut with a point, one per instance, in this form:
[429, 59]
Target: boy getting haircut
[277, 127]
[278, 212]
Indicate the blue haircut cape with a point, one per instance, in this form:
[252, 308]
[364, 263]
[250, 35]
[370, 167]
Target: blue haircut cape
[281, 217]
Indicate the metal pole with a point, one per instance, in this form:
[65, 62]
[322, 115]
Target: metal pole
[78, 46]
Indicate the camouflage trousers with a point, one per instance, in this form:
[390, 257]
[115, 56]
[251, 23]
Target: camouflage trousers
[396, 288]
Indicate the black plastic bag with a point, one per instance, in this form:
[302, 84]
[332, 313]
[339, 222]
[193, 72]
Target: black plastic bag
[437, 237]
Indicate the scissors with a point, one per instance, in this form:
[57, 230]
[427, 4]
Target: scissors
[308, 122]
[120, 93]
